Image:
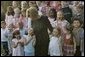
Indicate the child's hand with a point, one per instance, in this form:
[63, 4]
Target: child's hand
[31, 31]
[21, 40]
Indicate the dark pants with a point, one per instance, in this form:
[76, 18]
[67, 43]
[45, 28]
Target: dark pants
[5, 48]
[41, 51]
[78, 52]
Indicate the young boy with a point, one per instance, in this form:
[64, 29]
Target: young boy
[4, 40]
[79, 36]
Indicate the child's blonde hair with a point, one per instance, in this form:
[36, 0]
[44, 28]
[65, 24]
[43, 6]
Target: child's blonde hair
[58, 29]
[62, 13]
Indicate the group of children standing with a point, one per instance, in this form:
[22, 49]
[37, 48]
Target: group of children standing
[17, 38]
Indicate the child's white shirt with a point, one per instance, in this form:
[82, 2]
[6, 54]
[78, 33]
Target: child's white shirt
[55, 48]
[9, 19]
[4, 35]
[18, 51]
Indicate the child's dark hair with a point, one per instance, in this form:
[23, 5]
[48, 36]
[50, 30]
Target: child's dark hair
[54, 12]
[10, 11]
[16, 32]
[76, 19]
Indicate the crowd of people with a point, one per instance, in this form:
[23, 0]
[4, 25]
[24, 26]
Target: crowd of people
[43, 28]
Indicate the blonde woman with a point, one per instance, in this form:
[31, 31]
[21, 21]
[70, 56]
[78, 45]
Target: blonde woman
[40, 24]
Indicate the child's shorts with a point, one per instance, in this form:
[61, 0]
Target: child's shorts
[4, 48]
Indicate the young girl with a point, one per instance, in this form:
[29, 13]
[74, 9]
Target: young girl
[55, 45]
[79, 36]
[61, 22]
[17, 46]
[29, 43]
[23, 18]
[69, 45]
[16, 16]
[9, 18]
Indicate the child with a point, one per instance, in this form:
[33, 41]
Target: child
[15, 4]
[52, 16]
[16, 17]
[4, 40]
[9, 16]
[69, 45]
[55, 48]
[79, 36]
[23, 5]
[9, 34]
[23, 18]
[61, 22]
[17, 46]
[29, 43]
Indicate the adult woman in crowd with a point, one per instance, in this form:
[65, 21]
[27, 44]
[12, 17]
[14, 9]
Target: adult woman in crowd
[40, 24]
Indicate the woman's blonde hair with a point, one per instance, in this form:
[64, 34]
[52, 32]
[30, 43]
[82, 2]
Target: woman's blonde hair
[32, 11]
[27, 13]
